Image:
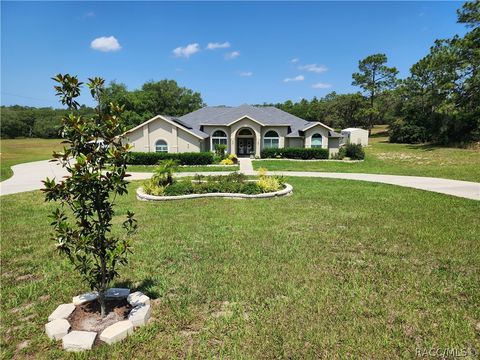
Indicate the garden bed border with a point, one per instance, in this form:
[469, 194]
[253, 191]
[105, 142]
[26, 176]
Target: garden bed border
[288, 190]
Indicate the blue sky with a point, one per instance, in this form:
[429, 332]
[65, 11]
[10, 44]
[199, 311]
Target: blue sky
[262, 52]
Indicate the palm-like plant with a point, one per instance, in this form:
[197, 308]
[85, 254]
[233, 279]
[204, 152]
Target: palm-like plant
[163, 174]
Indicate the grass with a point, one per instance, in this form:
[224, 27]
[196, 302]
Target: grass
[151, 168]
[337, 270]
[396, 159]
[17, 151]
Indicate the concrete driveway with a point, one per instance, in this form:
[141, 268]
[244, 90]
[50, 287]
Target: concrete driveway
[29, 176]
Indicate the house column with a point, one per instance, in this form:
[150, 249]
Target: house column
[257, 143]
[233, 145]
[308, 142]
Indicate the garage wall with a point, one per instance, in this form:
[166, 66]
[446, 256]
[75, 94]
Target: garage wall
[178, 140]
[186, 142]
[317, 129]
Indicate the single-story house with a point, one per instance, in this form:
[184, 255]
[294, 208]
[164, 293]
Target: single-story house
[245, 130]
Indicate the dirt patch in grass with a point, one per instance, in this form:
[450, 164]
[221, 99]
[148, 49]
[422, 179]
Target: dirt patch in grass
[87, 317]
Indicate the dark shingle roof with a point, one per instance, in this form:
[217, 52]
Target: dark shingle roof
[224, 115]
[194, 129]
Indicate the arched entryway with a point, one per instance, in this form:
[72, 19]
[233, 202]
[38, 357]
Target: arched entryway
[245, 142]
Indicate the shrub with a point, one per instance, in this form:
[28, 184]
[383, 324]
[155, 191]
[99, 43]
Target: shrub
[226, 162]
[233, 157]
[163, 174]
[220, 150]
[150, 187]
[179, 188]
[295, 153]
[251, 188]
[353, 151]
[269, 184]
[152, 158]
[400, 132]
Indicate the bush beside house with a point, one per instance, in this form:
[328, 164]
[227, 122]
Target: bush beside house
[351, 151]
[295, 153]
[152, 158]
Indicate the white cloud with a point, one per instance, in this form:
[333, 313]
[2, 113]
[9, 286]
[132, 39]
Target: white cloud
[296, 78]
[246, 73]
[213, 46]
[89, 14]
[186, 51]
[105, 44]
[321, 86]
[295, 60]
[313, 68]
[232, 55]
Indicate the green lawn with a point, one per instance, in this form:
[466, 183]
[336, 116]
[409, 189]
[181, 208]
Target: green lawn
[339, 269]
[17, 151]
[151, 168]
[398, 159]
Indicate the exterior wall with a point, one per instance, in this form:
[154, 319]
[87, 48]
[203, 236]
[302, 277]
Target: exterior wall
[356, 136]
[210, 129]
[317, 129]
[186, 142]
[295, 142]
[333, 146]
[281, 131]
[138, 140]
[178, 140]
[162, 130]
[245, 123]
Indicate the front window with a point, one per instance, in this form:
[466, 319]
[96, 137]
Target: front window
[161, 146]
[316, 141]
[271, 140]
[219, 137]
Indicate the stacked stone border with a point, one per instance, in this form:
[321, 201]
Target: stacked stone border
[141, 195]
[58, 327]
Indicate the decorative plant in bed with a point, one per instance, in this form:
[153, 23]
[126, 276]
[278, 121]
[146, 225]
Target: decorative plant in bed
[83, 223]
[162, 186]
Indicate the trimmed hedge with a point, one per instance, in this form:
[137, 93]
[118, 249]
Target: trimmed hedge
[295, 153]
[152, 158]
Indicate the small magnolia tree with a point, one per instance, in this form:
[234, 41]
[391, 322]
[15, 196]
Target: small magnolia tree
[95, 159]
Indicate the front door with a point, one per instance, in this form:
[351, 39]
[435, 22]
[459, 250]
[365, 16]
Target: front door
[245, 146]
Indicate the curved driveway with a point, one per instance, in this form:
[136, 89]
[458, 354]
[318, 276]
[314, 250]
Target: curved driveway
[29, 176]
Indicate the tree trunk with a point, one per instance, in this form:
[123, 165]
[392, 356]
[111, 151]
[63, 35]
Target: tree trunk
[101, 298]
[103, 288]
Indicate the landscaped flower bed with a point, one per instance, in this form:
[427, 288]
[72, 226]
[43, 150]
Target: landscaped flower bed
[232, 185]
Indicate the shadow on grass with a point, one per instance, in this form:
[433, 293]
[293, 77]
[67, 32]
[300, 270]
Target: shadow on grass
[146, 286]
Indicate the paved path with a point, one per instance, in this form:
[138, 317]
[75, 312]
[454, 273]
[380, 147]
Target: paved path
[245, 165]
[29, 176]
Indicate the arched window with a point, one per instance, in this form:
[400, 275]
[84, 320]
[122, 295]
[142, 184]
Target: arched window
[270, 140]
[161, 146]
[218, 137]
[245, 132]
[316, 141]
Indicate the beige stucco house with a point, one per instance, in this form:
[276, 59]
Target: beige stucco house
[245, 130]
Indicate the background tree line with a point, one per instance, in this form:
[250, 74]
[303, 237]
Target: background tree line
[153, 98]
[438, 102]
